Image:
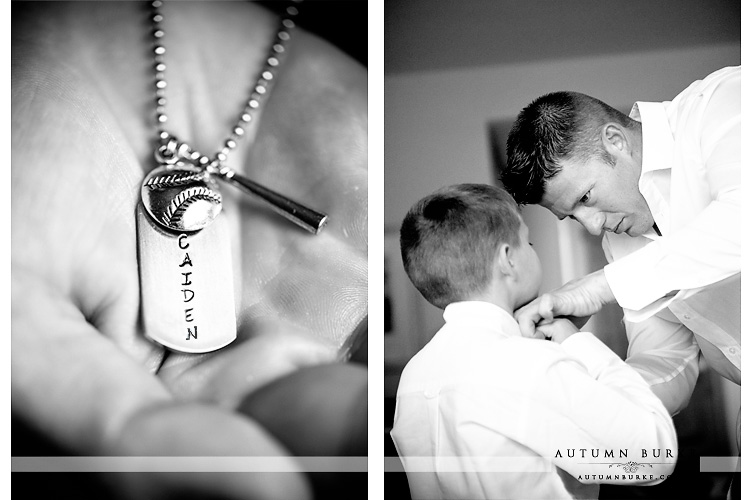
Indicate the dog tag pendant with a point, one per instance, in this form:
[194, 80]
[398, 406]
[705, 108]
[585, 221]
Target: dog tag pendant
[187, 291]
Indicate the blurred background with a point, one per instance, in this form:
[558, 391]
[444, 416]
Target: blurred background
[458, 73]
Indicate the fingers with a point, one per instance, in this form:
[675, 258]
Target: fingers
[532, 313]
[527, 318]
[542, 329]
[67, 378]
[309, 418]
[540, 335]
[527, 324]
[192, 430]
[227, 376]
[557, 330]
[582, 297]
[91, 398]
[545, 329]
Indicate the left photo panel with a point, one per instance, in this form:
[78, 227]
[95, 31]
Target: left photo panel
[189, 306]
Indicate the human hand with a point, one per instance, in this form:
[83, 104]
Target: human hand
[82, 139]
[557, 330]
[577, 300]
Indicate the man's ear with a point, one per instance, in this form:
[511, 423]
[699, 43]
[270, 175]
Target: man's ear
[504, 260]
[615, 140]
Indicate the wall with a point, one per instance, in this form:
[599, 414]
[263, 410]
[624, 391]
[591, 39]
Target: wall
[436, 134]
[435, 121]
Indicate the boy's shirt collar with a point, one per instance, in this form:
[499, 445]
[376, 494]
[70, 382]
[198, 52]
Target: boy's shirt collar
[482, 314]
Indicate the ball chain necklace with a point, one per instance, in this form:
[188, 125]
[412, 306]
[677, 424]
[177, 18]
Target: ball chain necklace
[184, 253]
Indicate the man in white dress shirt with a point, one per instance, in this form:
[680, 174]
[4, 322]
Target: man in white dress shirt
[664, 186]
[481, 411]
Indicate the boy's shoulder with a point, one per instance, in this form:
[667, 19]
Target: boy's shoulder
[529, 354]
[496, 362]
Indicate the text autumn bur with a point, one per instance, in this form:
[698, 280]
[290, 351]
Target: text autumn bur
[595, 453]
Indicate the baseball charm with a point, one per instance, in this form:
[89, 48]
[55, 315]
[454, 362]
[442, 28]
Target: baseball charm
[181, 198]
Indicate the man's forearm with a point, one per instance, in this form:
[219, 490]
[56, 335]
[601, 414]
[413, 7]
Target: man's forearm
[665, 354]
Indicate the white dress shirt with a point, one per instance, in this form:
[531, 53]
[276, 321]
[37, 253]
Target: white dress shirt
[686, 281]
[482, 412]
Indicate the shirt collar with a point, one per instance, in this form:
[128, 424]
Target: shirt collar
[657, 138]
[483, 315]
[656, 161]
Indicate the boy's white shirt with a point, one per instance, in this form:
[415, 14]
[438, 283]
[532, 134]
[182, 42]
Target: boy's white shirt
[483, 412]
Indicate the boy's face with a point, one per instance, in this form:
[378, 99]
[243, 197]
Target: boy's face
[529, 269]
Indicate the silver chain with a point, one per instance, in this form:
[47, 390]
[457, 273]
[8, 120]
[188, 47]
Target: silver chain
[170, 150]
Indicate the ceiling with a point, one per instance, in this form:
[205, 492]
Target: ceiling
[427, 35]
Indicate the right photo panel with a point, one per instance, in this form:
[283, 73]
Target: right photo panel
[562, 249]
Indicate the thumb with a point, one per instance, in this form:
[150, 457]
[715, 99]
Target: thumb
[546, 307]
[527, 323]
[527, 318]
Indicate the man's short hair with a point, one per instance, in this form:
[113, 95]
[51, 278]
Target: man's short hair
[449, 239]
[554, 127]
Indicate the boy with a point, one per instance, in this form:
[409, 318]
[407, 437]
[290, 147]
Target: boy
[483, 412]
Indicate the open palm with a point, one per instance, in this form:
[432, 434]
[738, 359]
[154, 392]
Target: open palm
[82, 140]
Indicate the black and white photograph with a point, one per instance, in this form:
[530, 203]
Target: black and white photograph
[198, 190]
[189, 188]
[564, 182]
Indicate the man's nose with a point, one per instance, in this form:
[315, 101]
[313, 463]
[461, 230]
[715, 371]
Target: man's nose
[590, 220]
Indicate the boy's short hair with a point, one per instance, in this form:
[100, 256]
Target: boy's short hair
[449, 239]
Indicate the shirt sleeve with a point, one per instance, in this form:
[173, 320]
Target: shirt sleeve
[707, 249]
[665, 354]
[589, 404]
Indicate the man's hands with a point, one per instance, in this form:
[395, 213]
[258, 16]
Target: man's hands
[556, 330]
[576, 300]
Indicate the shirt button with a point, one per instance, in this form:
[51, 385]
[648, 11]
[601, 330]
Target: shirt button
[732, 350]
[686, 316]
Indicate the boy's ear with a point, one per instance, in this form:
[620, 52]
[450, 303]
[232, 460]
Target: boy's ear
[504, 259]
